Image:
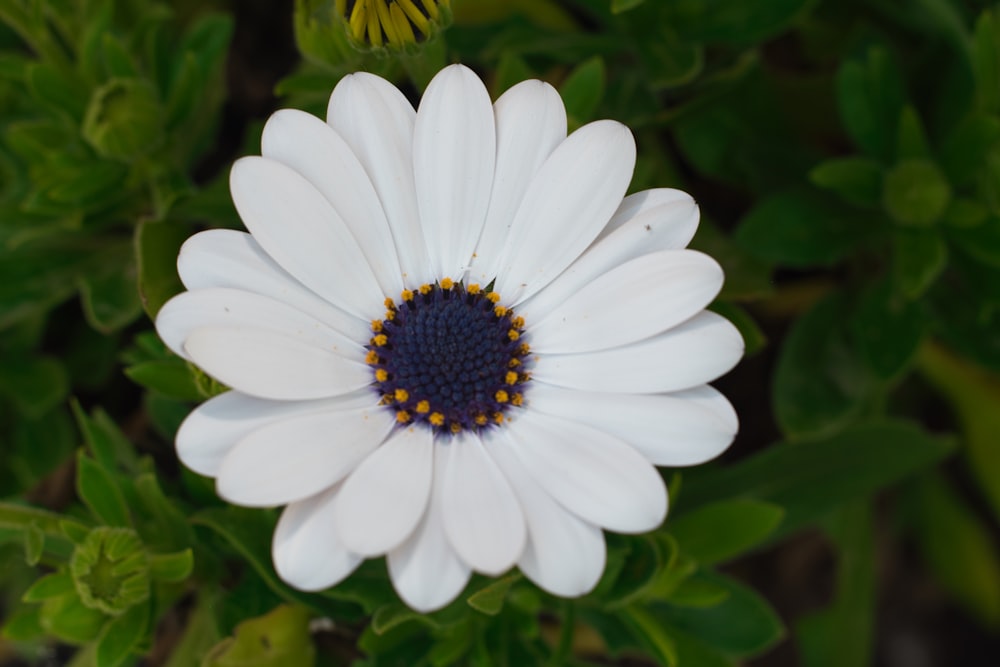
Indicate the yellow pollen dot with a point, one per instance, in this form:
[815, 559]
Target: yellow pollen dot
[500, 311]
[498, 417]
[436, 418]
[510, 377]
[523, 348]
[380, 340]
[501, 396]
[385, 400]
[371, 357]
[407, 295]
[447, 283]
[390, 315]
[492, 297]
[376, 325]
[381, 375]
[425, 289]
[518, 322]
[513, 363]
[455, 427]
[473, 288]
[513, 334]
[402, 416]
[401, 395]
[517, 399]
[389, 303]
[423, 407]
[480, 419]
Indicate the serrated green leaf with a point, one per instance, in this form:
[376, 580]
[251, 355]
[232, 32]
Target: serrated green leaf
[721, 531]
[490, 599]
[100, 492]
[856, 179]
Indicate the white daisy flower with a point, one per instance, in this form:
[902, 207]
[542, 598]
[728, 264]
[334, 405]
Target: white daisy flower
[451, 339]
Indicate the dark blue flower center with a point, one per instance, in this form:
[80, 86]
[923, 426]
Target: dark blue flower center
[449, 356]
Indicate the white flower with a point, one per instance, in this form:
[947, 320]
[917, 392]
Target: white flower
[450, 340]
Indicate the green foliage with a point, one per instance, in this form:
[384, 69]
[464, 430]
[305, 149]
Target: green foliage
[846, 160]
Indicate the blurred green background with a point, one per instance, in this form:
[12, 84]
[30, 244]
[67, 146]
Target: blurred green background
[846, 158]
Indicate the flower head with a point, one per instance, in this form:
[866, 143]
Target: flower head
[451, 339]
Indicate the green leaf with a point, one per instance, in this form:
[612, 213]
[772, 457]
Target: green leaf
[23, 625]
[870, 97]
[918, 258]
[721, 531]
[698, 592]
[691, 651]
[621, 6]
[100, 492]
[111, 301]
[156, 248]
[668, 58]
[753, 337]
[490, 599]
[812, 477]
[730, 21]
[511, 70]
[650, 633]
[968, 147]
[277, 639]
[34, 544]
[986, 61]
[799, 228]
[959, 548]
[56, 90]
[646, 560]
[887, 329]
[742, 625]
[122, 636]
[50, 586]
[167, 528]
[842, 635]
[66, 618]
[390, 615]
[171, 567]
[820, 384]
[916, 193]
[172, 378]
[110, 447]
[118, 62]
[35, 384]
[747, 277]
[855, 179]
[974, 395]
[124, 120]
[583, 90]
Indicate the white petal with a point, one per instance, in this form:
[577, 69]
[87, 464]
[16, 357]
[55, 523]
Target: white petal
[568, 202]
[313, 149]
[295, 458]
[270, 365]
[667, 226]
[215, 426]
[222, 306]
[454, 151]
[228, 258]
[634, 301]
[693, 353]
[383, 500]
[377, 123]
[306, 551]
[679, 429]
[425, 570]
[482, 516]
[592, 474]
[679, 232]
[531, 122]
[564, 555]
[299, 229]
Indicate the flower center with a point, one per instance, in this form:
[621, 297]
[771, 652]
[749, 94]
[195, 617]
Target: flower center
[449, 356]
